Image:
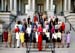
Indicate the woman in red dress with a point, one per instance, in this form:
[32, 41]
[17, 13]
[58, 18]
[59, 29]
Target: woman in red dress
[5, 37]
[40, 30]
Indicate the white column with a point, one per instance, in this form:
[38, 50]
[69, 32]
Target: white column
[33, 3]
[11, 5]
[51, 8]
[2, 5]
[5, 4]
[19, 5]
[15, 6]
[47, 5]
[69, 5]
[65, 5]
[51, 13]
[29, 3]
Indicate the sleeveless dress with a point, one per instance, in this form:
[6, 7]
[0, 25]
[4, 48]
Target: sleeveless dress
[39, 42]
[9, 38]
[5, 36]
[22, 37]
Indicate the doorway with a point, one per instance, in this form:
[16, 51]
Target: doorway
[40, 8]
[73, 6]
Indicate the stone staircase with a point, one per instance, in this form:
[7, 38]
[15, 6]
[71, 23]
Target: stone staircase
[57, 50]
[23, 50]
[67, 25]
[71, 19]
[21, 17]
[5, 16]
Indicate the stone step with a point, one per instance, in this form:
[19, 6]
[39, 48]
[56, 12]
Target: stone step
[71, 19]
[12, 50]
[23, 50]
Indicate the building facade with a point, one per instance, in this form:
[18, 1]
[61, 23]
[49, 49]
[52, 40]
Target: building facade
[24, 8]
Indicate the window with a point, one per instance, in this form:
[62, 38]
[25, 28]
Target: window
[0, 4]
[73, 6]
[26, 8]
[12, 4]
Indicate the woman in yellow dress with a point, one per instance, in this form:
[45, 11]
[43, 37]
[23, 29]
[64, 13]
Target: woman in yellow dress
[22, 38]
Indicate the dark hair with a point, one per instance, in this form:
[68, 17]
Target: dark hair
[28, 19]
[19, 22]
[68, 32]
[56, 19]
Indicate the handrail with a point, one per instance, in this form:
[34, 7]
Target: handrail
[11, 22]
[69, 22]
[9, 25]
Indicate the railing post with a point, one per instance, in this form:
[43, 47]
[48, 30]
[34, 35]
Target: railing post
[65, 19]
[70, 27]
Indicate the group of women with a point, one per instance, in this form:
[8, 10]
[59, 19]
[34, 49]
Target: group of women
[38, 31]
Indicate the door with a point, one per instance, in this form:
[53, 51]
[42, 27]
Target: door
[40, 8]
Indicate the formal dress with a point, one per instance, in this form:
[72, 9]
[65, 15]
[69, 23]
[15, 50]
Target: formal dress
[39, 42]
